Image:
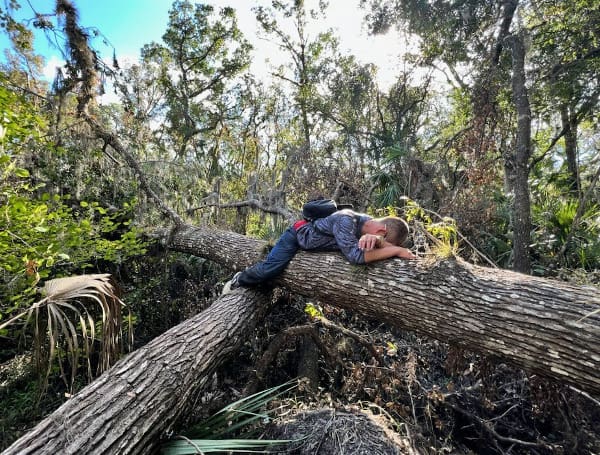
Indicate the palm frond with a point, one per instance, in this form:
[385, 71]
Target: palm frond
[242, 414]
[195, 446]
[66, 302]
[75, 286]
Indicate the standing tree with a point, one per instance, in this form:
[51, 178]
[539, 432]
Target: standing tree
[201, 55]
[485, 46]
[310, 63]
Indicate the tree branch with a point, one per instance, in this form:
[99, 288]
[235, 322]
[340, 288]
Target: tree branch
[289, 215]
[83, 59]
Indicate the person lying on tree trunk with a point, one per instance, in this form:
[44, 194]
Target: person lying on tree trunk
[360, 238]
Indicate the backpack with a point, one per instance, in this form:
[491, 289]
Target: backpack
[320, 208]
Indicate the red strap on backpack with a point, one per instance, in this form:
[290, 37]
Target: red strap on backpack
[299, 224]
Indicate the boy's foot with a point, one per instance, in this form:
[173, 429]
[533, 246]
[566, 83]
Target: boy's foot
[231, 284]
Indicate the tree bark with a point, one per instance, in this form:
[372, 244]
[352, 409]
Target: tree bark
[569, 125]
[138, 400]
[520, 159]
[533, 323]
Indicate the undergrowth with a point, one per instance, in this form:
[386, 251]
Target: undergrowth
[448, 400]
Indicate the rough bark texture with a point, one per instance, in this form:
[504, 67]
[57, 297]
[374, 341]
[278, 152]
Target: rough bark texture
[129, 407]
[531, 322]
[521, 156]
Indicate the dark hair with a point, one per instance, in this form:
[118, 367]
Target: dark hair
[397, 229]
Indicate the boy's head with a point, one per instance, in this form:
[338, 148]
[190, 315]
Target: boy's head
[396, 229]
[392, 228]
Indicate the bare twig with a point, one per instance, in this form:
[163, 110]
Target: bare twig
[355, 336]
[289, 215]
[192, 443]
[485, 425]
[451, 140]
[585, 394]
[541, 156]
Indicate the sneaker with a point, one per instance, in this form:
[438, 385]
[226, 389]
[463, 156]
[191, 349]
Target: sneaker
[231, 284]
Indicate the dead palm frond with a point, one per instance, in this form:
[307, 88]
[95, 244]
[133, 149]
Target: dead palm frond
[70, 328]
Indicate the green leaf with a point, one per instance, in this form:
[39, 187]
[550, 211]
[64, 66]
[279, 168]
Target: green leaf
[313, 311]
[20, 172]
[192, 446]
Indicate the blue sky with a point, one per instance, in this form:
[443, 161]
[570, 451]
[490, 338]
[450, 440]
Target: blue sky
[129, 24]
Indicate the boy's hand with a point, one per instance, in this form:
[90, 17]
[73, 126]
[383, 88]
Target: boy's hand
[370, 241]
[406, 253]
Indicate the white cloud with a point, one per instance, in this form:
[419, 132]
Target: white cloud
[52, 64]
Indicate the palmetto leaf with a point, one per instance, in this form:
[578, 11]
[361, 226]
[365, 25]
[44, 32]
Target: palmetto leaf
[240, 415]
[77, 286]
[196, 446]
[66, 302]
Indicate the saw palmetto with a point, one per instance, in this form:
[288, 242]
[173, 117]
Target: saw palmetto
[64, 317]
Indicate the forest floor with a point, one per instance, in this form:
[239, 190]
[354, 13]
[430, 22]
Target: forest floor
[371, 389]
[435, 398]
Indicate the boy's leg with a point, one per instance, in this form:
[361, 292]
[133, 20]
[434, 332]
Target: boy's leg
[277, 260]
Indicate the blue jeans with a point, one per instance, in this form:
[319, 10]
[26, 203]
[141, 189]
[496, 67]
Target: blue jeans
[275, 263]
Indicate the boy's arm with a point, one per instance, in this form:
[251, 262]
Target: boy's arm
[349, 245]
[388, 251]
[343, 231]
[370, 241]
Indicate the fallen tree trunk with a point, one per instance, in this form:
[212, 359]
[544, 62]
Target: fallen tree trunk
[138, 400]
[531, 322]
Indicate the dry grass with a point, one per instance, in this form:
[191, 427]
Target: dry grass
[337, 431]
